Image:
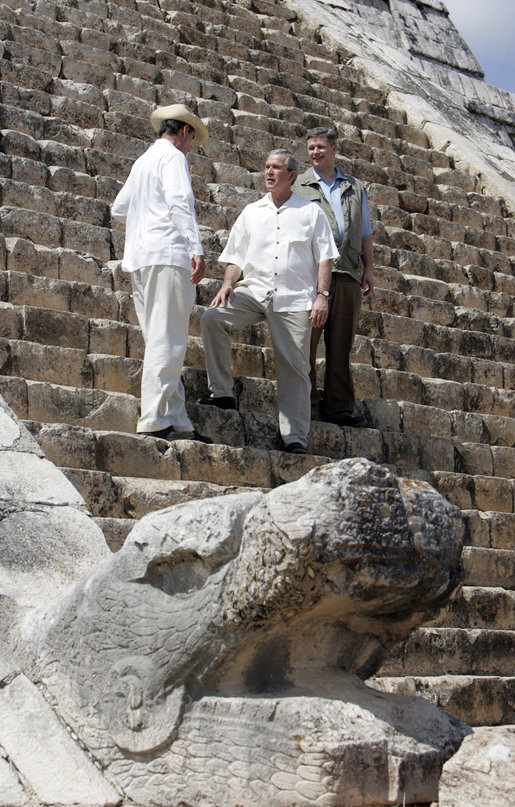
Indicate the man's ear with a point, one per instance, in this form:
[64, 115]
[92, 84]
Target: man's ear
[293, 177]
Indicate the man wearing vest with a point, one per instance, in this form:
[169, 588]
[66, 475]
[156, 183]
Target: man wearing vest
[344, 201]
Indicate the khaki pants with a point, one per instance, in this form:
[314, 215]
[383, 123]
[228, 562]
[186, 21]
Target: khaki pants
[163, 298]
[290, 334]
[339, 332]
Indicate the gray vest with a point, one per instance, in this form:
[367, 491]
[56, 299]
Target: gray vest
[351, 195]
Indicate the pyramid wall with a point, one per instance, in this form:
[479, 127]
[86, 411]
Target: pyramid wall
[433, 358]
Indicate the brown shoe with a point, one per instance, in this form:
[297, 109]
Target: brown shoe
[356, 421]
[223, 402]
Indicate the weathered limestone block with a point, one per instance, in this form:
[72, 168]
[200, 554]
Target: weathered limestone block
[45, 536]
[11, 790]
[39, 227]
[54, 153]
[24, 256]
[31, 290]
[98, 490]
[75, 267]
[34, 57]
[11, 326]
[87, 73]
[94, 408]
[84, 237]
[239, 624]
[77, 112]
[60, 328]
[54, 767]
[481, 566]
[24, 120]
[482, 772]
[106, 336]
[20, 194]
[76, 182]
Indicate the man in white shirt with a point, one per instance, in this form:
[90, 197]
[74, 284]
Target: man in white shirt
[163, 253]
[284, 247]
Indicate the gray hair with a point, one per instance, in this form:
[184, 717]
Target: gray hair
[323, 131]
[291, 163]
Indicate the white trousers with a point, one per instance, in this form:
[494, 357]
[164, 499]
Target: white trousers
[290, 333]
[163, 298]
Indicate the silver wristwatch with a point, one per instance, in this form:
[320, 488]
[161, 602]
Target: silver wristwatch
[323, 293]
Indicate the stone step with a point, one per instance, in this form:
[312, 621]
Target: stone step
[124, 454]
[101, 409]
[479, 607]
[21, 255]
[403, 330]
[452, 651]
[487, 270]
[69, 304]
[462, 295]
[84, 52]
[466, 312]
[57, 231]
[131, 497]
[489, 567]
[489, 529]
[478, 700]
[78, 368]
[423, 309]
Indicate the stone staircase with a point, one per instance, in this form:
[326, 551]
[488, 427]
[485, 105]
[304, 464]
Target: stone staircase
[434, 357]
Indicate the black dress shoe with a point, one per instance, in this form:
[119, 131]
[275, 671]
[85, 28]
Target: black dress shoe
[169, 433]
[356, 421]
[201, 438]
[223, 402]
[295, 448]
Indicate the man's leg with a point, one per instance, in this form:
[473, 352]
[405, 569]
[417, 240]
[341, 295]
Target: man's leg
[163, 298]
[290, 333]
[216, 325]
[316, 333]
[339, 332]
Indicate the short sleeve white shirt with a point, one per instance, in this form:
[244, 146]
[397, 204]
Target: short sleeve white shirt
[278, 250]
[158, 208]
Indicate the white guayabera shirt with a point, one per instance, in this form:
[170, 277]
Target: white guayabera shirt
[279, 249]
[158, 208]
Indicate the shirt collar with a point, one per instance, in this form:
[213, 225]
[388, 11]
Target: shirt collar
[266, 201]
[339, 175]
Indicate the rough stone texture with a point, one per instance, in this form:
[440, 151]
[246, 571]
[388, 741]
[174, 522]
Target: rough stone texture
[433, 360]
[414, 55]
[46, 538]
[482, 773]
[235, 629]
[53, 766]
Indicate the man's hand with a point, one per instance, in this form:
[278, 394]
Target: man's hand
[367, 283]
[223, 297]
[198, 268]
[319, 311]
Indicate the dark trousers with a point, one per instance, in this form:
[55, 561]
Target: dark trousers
[339, 332]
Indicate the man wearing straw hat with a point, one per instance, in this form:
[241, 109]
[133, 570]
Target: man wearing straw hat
[164, 256]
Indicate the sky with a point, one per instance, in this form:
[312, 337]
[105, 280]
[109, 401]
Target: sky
[488, 28]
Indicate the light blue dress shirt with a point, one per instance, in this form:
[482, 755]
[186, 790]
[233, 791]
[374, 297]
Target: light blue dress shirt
[332, 194]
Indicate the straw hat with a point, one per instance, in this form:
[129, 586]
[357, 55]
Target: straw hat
[180, 112]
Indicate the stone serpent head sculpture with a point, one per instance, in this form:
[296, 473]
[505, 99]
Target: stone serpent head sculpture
[251, 595]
